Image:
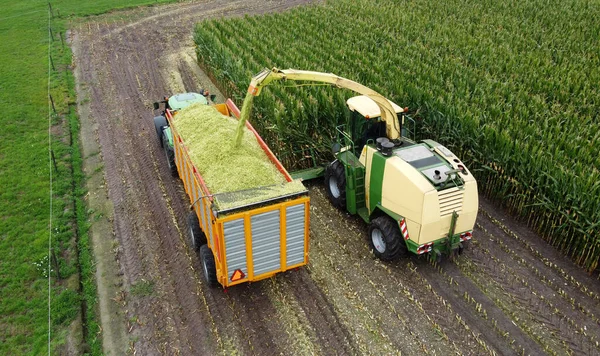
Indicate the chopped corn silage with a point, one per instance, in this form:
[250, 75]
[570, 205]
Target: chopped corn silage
[208, 136]
[244, 116]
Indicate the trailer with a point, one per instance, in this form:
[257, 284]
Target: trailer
[237, 241]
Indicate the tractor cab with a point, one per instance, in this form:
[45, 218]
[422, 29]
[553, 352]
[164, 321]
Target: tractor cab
[180, 101]
[365, 122]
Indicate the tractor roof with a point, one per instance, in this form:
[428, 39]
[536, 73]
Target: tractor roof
[367, 107]
[180, 101]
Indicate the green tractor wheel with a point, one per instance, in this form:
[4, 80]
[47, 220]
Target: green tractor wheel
[159, 123]
[385, 239]
[170, 154]
[335, 184]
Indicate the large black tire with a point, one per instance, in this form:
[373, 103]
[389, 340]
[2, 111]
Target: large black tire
[385, 239]
[335, 184]
[170, 154]
[197, 237]
[208, 265]
[159, 123]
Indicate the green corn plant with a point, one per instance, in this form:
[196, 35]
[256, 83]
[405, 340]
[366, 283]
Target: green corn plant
[505, 86]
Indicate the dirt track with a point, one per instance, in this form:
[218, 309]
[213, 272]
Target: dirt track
[509, 293]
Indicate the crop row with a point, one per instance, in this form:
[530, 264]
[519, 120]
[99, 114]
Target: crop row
[509, 89]
[550, 308]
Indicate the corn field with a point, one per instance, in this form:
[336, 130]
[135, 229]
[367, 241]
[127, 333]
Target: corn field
[511, 87]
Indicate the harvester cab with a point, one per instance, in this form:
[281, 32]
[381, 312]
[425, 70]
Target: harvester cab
[366, 124]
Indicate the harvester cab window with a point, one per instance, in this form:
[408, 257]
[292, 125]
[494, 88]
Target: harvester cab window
[365, 121]
[363, 130]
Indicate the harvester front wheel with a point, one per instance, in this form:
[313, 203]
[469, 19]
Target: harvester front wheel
[159, 123]
[335, 184]
[208, 265]
[197, 237]
[170, 154]
[385, 239]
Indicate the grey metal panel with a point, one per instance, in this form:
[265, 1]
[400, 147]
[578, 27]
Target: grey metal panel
[266, 241]
[429, 161]
[413, 153]
[235, 246]
[294, 230]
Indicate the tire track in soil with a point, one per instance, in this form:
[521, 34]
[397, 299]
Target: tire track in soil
[522, 302]
[403, 273]
[148, 223]
[126, 172]
[505, 330]
[332, 336]
[129, 173]
[404, 303]
[132, 257]
[562, 275]
[440, 285]
[565, 314]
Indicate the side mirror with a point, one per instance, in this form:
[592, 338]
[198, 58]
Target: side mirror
[156, 105]
[213, 97]
[336, 147]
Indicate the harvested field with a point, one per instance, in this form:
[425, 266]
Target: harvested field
[509, 293]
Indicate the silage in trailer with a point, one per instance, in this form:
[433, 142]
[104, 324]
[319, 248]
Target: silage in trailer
[244, 173]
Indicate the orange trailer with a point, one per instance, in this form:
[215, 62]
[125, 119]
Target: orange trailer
[243, 243]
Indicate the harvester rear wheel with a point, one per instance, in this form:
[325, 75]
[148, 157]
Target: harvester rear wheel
[385, 239]
[208, 265]
[159, 123]
[170, 154]
[335, 184]
[197, 237]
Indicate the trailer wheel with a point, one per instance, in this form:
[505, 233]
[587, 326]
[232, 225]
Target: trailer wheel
[159, 123]
[385, 239]
[170, 154]
[335, 184]
[208, 265]
[197, 237]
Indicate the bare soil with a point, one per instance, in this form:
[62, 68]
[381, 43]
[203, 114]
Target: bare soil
[509, 293]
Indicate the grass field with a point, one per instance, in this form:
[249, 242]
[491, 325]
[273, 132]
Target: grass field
[511, 87]
[25, 175]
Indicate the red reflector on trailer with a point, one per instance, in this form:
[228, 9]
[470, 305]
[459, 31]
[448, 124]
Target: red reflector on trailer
[237, 275]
